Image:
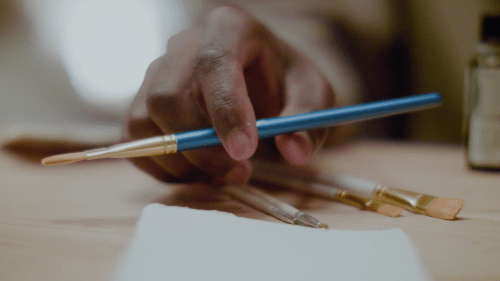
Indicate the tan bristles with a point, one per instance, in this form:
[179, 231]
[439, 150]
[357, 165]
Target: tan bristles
[64, 158]
[389, 210]
[323, 225]
[444, 208]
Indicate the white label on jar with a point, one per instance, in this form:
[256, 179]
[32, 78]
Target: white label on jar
[488, 92]
[484, 140]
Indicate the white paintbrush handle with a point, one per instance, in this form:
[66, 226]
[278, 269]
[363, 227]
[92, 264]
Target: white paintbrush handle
[299, 185]
[282, 205]
[353, 185]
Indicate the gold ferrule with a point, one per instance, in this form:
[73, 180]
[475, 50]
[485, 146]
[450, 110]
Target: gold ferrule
[358, 201]
[146, 147]
[350, 199]
[408, 200]
[373, 205]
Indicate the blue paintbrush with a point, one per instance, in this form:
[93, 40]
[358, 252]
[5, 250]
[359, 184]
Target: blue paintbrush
[268, 127]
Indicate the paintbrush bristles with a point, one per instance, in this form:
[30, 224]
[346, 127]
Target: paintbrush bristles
[444, 208]
[323, 225]
[389, 210]
[64, 158]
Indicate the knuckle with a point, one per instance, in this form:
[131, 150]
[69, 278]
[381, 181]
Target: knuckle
[172, 41]
[177, 40]
[162, 97]
[210, 58]
[154, 65]
[137, 114]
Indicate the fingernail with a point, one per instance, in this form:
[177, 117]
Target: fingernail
[238, 144]
[240, 174]
[298, 149]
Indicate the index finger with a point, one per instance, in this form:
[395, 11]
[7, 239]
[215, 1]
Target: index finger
[229, 46]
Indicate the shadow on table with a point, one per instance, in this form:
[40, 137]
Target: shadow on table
[204, 197]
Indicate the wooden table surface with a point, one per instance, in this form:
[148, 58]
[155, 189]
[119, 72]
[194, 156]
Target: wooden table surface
[73, 222]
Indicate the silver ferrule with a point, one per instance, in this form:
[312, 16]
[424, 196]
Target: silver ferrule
[305, 219]
[282, 215]
[146, 147]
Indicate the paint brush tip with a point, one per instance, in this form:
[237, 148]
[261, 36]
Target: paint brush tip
[64, 158]
[389, 210]
[444, 208]
[323, 225]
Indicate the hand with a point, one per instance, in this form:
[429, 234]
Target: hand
[224, 75]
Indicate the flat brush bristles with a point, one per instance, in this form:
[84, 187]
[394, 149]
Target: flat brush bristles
[389, 210]
[437, 207]
[64, 158]
[444, 208]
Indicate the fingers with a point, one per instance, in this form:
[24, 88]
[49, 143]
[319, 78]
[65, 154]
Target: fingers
[140, 126]
[306, 90]
[203, 81]
[134, 130]
[175, 104]
[173, 167]
[220, 61]
[221, 80]
[173, 111]
[219, 71]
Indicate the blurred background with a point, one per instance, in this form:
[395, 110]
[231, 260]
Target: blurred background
[69, 69]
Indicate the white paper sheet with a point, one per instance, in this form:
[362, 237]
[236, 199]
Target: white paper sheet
[176, 243]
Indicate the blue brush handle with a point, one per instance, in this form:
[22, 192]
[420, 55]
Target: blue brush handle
[326, 118]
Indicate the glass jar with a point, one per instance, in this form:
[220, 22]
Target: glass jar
[482, 100]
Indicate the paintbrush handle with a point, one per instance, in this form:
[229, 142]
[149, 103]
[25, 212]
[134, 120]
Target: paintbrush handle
[355, 186]
[326, 118]
[243, 195]
[266, 128]
[284, 206]
[277, 208]
[311, 188]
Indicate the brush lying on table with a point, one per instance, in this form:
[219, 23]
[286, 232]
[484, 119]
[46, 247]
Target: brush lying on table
[268, 204]
[330, 193]
[438, 207]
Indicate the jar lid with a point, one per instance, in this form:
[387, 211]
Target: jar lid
[491, 29]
